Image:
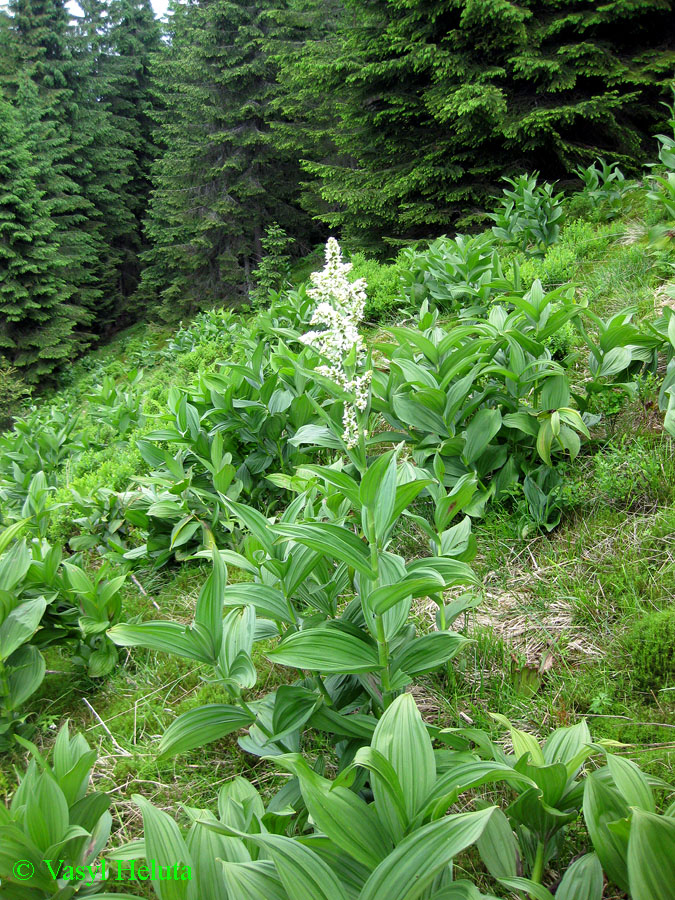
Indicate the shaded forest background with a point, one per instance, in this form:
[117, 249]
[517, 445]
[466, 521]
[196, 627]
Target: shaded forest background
[142, 165]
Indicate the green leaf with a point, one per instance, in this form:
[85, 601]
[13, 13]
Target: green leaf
[480, 431]
[522, 742]
[414, 413]
[201, 726]
[79, 581]
[326, 650]
[534, 890]
[332, 540]
[377, 493]
[428, 652]
[166, 637]
[46, 817]
[207, 849]
[209, 609]
[377, 764]
[421, 856]
[304, 875]
[354, 725]
[349, 822]
[603, 806]
[183, 531]
[252, 881]
[569, 746]
[582, 881]
[315, 435]
[420, 585]
[466, 776]
[614, 361]
[545, 441]
[555, 393]
[20, 625]
[12, 531]
[631, 782]
[25, 672]
[256, 523]
[269, 602]
[102, 661]
[651, 857]
[14, 565]
[345, 483]
[165, 845]
[402, 738]
[498, 847]
[293, 706]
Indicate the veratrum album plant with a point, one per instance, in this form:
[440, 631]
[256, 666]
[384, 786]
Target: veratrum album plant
[335, 598]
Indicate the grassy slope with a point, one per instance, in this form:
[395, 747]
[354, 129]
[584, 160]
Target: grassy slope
[561, 603]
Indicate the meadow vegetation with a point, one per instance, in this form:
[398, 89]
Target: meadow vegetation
[365, 590]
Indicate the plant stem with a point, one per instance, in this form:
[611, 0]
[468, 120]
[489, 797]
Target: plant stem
[383, 657]
[247, 709]
[538, 867]
[324, 690]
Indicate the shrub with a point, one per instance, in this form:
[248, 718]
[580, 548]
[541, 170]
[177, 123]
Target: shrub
[385, 292]
[651, 645]
[13, 391]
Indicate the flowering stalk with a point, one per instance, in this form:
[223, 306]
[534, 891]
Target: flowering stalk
[340, 306]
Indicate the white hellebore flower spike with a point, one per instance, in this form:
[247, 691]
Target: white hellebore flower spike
[340, 306]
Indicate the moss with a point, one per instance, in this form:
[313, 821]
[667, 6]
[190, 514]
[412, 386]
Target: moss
[651, 648]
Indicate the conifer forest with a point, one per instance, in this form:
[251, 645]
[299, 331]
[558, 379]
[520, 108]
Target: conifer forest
[337, 449]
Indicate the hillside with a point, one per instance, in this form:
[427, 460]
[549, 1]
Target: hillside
[473, 481]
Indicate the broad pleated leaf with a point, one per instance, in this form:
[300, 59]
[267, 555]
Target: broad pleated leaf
[402, 738]
[418, 859]
[651, 857]
[582, 881]
[252, 881]
[332, 540]
[498, 847]
[167, 637]
[428, 652]
[201, 726]
[531, 888]
[20, 625]
[603, 806]
[349, 822]
[326, 650]
[164, 844]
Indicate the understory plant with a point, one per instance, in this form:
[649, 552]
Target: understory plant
[530, 215]
[604, 187]
[337, 600]
[46, 600]
[397, 819]
[54, 829]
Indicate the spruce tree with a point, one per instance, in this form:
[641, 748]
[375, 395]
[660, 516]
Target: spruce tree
[134, 39]
[221, 180]
[113, 43]
[441, 99]
[44, 87]
[36, 319]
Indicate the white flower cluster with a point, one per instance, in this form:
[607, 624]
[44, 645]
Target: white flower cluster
[340, 308]
[332, 286]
